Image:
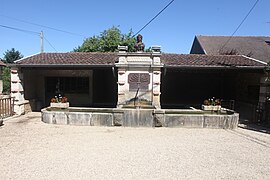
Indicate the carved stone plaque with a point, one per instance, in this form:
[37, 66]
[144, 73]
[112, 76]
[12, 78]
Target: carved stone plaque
[138, 81]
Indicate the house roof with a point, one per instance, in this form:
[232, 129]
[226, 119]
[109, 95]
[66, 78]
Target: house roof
[2, 63]
[257, 47]
[195, 60]
[72, 58]
[109, 59]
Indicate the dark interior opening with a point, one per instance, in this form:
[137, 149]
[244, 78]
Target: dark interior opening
[105, 88]
[182, 89]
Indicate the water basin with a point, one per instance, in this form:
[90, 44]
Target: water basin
[141, 117]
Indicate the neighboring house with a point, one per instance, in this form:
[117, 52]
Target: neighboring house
[257, 47]
[2, 64]
[90, 79]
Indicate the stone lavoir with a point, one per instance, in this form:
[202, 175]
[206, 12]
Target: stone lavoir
[138, 100]
[134, 89]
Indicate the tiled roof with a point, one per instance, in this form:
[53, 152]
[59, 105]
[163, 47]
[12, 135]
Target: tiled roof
[2, 63]
[257, 47]
[99, 58]
[73, 58]
[208, 60]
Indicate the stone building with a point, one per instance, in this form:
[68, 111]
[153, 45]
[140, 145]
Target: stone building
[163, 80]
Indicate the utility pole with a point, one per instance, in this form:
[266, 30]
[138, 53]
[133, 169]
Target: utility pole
[41, 42]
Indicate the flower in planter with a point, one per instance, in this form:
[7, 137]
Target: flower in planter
[217, 102]
[206, 102]
[59, 99]
[212, 102]
[53, 100]
[64, 99]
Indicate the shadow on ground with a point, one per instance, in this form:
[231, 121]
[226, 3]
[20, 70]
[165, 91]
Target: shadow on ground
[259, 127]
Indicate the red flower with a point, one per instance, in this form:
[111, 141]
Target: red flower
[53, 100]
[64, 99]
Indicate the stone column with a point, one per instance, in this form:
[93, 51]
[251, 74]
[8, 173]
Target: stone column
[17, 90]
[157, 65]
[156, 88]
[122, 76]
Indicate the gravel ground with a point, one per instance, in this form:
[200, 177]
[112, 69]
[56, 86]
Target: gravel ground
[31, 149]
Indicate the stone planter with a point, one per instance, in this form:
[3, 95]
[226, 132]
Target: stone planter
[211, 108]
[60, 105]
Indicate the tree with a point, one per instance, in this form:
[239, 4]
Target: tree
[6, 80]
[12, 55]
[9, 57]
[107, 41]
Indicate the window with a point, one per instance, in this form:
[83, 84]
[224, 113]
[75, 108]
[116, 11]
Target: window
[67, 84]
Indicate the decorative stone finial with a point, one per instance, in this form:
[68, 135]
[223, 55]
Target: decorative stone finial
[139, 46]
[156, 49]
[122, 49]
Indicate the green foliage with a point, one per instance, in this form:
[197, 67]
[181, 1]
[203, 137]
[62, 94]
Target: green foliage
[107, 41]
[6, 80]
[12, 55]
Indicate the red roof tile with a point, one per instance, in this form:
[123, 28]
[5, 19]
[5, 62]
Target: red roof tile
[208, 60]
[254, 46]
[74, 58]
[2, 63]
[100, 58]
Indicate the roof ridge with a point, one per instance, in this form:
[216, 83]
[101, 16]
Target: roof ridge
[76, 53]
[26, 57]
[227, 36]
[259, 61]
[216, 55]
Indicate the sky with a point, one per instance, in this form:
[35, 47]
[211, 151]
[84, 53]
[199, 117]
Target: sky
[174, 30]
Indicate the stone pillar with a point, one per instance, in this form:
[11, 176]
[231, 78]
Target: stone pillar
[156, 88]
[17, 90]
[157, 65]
[122, 86]
[122, 77]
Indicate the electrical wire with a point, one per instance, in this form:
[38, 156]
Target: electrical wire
[238, 27]
[50, 44]
[40, 25]
[21, 30]
[29, 32]
[153, 18]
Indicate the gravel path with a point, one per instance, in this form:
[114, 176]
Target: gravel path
[31, 149]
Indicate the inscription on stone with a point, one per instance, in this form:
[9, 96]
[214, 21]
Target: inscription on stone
[138, 81]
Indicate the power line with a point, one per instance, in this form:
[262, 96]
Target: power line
[29, 32]
[21, 30]
[40, 25]
[238, 27]
[50, 44]
[153, 18]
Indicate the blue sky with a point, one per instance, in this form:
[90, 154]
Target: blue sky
[174, 29]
